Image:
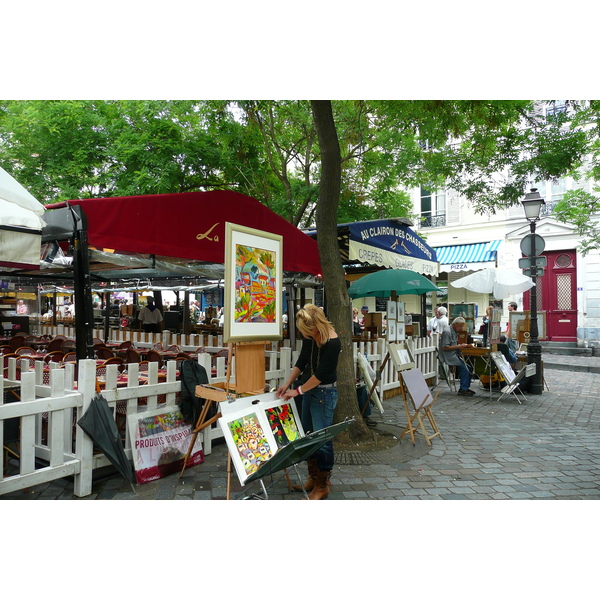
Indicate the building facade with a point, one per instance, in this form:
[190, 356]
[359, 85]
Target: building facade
[569, 290]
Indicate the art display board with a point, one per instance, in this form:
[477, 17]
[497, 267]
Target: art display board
[254, 429]
[160, 440]
[494, 327]
[253, 283]
[396, 326]
[417, 388]
[401, 356]
[300, 449]
[502, 364]
[519, 324]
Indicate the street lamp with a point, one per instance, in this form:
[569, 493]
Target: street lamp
[532, 205]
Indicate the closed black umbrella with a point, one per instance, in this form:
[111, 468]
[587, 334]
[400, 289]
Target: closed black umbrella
[99, 424]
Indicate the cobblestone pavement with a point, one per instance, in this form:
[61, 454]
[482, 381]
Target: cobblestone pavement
[548, 447]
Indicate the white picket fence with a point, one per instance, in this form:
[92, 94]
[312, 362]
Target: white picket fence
[52, 446]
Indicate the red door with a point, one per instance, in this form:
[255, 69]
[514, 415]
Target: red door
[557, 296]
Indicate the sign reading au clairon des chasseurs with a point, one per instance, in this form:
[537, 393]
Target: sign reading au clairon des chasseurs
[393, 245]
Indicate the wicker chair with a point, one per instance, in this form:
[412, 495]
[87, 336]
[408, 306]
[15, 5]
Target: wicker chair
[132, 356]
[70, 357]
[158, 346]
[55, 344]
[25, 350]
[104, 353]
[54, 356]
[115, 360]
[154, 356]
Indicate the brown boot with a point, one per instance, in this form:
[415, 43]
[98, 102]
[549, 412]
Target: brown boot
[313, 471]
[321, 489]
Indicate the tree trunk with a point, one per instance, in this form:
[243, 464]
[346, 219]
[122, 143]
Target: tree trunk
[338, 301]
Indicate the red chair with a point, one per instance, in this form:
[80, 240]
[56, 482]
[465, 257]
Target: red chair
[104, 353]
[115, 360]
[26, 359]
[132, 356]
[174, 348]
[158, 346]
[154, 356]
[25, 350]
[55, 344]
[55, 356]
[70, 357]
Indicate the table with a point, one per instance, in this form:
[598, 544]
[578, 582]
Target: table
[477, 359]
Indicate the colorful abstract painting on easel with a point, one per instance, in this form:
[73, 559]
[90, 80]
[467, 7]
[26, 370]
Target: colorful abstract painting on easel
[283, 424]
[250, 442]
[255, 285]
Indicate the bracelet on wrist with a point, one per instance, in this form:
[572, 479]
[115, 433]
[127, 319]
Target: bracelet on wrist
[299, 390]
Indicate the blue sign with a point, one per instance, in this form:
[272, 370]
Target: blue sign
[393, 237]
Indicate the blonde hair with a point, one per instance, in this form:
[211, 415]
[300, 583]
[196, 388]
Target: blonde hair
[312, 317]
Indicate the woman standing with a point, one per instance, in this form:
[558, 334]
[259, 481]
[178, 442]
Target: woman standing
[316, 370]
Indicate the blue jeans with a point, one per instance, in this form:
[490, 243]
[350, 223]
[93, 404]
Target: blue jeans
[464, 375]
[318, 406]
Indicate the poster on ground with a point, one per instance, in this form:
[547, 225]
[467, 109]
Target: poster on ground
[159, 442]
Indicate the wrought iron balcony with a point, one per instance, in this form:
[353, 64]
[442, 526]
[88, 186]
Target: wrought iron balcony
[433, 221]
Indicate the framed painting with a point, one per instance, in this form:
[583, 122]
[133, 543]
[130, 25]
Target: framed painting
[392, 307]
[249, 440]
[400, 330]
[253, 282]
[390, 331]
[400, 315]
[284, 421]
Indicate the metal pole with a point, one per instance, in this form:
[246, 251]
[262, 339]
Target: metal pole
[534, 348]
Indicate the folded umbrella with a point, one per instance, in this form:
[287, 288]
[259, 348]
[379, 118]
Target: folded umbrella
[99, 424]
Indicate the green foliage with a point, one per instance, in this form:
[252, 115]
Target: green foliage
[576, 207]
[488, 151]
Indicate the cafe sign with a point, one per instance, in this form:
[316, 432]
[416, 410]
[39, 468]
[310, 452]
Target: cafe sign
[389, 244]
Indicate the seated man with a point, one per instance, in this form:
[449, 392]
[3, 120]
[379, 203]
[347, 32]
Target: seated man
[451, 355]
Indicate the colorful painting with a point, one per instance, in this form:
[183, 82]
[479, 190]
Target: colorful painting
[250, 442]
[283, 424]
[253, 285]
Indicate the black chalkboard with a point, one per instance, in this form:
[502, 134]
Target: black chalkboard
[381, 304]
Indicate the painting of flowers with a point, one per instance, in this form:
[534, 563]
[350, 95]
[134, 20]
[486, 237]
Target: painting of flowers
[283, 424]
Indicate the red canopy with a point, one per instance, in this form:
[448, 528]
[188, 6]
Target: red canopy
[189, 226]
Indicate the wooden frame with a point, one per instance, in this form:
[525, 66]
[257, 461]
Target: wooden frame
[401, 356]
[253, 283]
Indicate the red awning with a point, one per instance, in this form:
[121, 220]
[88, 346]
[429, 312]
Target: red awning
[189, 226]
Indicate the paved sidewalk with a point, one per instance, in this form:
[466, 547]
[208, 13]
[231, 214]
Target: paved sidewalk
[546, 448]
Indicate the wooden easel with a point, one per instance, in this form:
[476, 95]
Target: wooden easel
[413, 382]
[249, 380]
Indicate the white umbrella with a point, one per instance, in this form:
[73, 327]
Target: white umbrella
[499, 282]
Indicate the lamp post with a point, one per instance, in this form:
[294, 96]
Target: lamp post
[532, 205]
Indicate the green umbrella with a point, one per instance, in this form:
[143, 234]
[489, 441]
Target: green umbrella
[383, 283]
